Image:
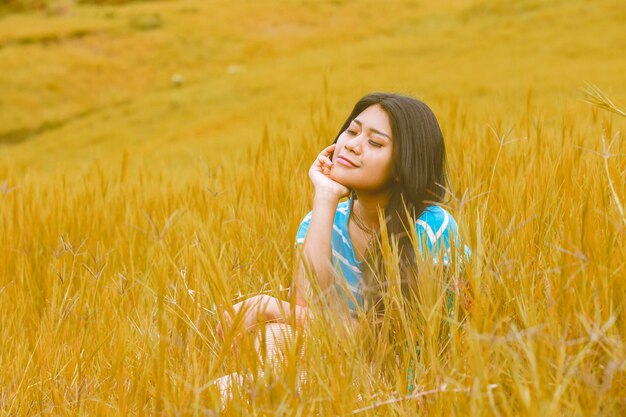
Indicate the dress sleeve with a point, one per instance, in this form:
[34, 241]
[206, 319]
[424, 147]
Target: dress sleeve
[304, 227]
[438, 238]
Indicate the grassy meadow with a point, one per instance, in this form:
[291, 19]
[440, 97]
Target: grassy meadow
[153, 167]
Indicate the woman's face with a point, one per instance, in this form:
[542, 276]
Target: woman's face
[362, 160]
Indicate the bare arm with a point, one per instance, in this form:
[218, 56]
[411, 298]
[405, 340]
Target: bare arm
[315, 259]
[262, 308]
[313, 262]
[316, 253]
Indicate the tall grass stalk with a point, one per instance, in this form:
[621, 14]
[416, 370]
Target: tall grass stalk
[113, 279]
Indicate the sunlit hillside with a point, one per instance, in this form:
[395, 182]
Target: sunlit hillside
[89, 82]
[153, 169]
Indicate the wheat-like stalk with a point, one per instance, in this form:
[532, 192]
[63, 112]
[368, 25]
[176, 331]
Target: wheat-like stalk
[595, 96]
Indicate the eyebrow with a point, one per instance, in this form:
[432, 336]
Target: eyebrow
[358, 122]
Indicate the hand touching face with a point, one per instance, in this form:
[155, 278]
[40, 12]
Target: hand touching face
[320, 176]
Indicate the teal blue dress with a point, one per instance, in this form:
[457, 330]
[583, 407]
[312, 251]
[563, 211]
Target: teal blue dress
[436, 231]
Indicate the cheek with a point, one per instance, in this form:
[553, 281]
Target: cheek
[339, 147]
[383, 165]
[381, 172]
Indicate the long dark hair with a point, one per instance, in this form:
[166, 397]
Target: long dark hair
[419, 165]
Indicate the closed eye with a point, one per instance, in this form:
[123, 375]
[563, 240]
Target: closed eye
[350, 132]
[375, 144]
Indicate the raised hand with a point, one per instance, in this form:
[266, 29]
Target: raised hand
[320, 175]
[248, 314]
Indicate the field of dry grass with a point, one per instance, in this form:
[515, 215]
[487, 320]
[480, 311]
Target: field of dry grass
[153, 161]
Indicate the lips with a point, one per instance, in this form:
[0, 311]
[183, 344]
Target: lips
[346, 161]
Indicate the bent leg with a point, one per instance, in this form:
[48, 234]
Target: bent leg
[271, 344]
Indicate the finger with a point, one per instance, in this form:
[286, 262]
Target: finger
[324, 160]
[328, 150]
[225, 325]
[220, 331]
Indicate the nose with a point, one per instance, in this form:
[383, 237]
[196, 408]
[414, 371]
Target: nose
[353, 145]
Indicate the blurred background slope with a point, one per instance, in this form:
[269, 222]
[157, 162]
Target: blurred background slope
[183, 81]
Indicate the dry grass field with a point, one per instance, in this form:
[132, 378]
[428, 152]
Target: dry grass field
[153, 166]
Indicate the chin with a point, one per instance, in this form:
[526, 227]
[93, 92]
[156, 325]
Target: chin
[355, 182]
[341, 179]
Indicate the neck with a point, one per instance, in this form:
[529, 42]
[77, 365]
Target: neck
[367, 205]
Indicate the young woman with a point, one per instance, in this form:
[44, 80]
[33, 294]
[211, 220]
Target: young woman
[388, 157]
